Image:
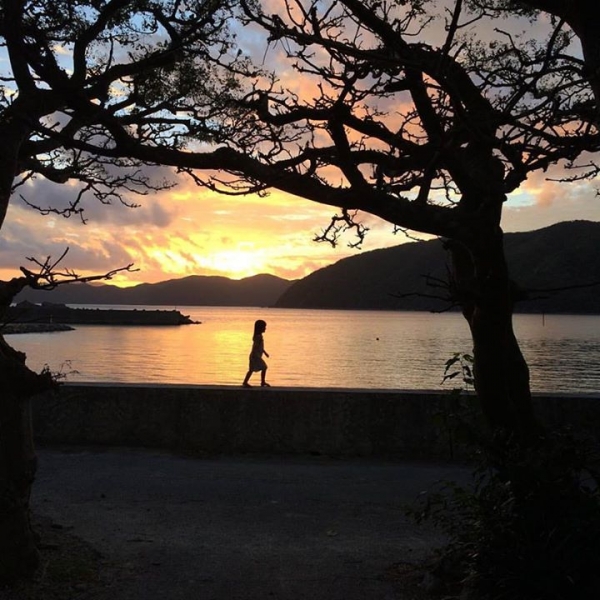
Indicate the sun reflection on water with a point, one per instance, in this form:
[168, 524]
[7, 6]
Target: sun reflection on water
[312, 348]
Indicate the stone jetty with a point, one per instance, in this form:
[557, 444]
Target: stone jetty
[50, 313]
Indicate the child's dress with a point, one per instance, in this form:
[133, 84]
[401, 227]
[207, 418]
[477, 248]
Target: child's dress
[256, 360]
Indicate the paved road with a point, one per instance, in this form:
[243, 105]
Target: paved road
[240, 528]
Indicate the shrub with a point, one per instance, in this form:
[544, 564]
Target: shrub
[529, 526]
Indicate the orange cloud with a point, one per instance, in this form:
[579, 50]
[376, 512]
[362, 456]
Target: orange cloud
[545, 188]
[183, 231]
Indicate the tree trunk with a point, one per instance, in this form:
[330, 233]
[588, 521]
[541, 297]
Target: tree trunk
[19, 557]
[481, 283]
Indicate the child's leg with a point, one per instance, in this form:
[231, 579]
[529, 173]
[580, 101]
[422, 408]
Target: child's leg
[263, 374]
[246, 379]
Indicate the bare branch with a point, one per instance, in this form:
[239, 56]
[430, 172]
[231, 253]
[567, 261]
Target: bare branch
[49, 276]
[339, 225]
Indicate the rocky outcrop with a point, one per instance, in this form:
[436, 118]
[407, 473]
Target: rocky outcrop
[49, 313]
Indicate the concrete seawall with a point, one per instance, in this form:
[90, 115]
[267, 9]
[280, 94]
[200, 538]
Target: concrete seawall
[200, 420]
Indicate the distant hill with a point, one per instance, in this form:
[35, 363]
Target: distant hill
[558, 256]
[196, 290]
[562, 255]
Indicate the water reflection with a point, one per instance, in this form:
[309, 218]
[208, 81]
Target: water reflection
[315, 348]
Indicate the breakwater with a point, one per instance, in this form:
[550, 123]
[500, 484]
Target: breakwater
[205, 420]
[52, 314]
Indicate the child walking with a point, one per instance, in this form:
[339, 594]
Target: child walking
[257, 362]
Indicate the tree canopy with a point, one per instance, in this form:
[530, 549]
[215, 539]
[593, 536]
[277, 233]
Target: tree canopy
[86, 81]
[403, 124]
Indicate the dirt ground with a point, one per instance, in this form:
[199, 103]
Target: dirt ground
[72, 569]
[139, 524]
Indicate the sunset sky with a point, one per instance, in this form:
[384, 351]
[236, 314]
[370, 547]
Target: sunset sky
[187, 230]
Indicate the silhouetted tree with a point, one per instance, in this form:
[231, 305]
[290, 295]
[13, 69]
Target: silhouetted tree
[580, 16]
[103, 74]
[428, 134]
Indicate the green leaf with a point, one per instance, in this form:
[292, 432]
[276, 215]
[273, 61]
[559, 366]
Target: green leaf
[451, 376]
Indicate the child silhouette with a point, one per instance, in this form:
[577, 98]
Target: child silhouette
[256, 361]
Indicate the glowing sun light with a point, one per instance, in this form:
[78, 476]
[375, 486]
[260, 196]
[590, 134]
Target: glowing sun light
[237, 263]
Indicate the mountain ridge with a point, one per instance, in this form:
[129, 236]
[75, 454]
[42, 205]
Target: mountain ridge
[193, 290]
[559, 256]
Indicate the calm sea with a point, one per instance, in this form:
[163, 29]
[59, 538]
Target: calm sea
[312, 348]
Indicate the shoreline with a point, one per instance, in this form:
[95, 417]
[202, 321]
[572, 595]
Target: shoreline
[17, 328]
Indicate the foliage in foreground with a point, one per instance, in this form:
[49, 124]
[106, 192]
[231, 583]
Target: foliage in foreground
[529, 526]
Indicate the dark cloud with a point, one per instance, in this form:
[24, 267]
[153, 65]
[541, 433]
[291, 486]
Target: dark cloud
[18, 241]
[152, 209]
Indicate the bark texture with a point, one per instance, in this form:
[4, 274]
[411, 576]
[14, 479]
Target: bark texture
[482, 283]
[19, 555]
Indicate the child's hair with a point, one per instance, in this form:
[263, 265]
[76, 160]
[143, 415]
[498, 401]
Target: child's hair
[259, 327]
